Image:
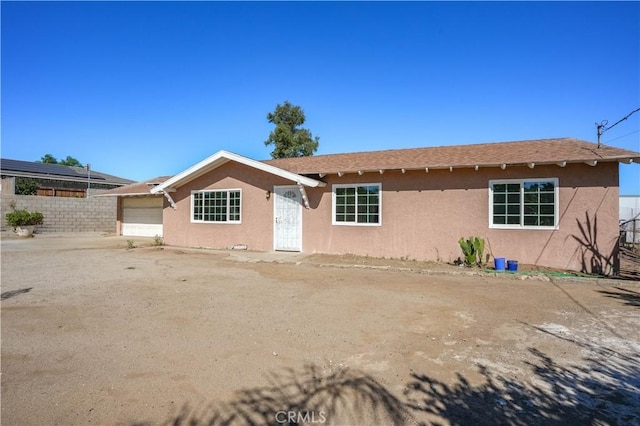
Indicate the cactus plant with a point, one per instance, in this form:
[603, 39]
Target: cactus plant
[473, 251]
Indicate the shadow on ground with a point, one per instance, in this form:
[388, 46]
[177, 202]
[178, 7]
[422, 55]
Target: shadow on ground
[309, 395]
[605, 390]
[629, 297]
[9, 294]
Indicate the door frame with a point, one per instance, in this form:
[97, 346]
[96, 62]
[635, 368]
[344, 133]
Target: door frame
[275, 209]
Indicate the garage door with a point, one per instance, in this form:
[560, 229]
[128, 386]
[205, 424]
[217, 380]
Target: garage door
[142, 217]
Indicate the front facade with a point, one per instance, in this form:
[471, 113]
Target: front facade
[555, 210]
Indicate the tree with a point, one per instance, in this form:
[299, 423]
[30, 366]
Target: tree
[48, 159]
[70, 161]
[288, 138]
[26, 186]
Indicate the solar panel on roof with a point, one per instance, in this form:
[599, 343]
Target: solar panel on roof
[52, 170]
[83, 172]
[41, 168]
[45, 169]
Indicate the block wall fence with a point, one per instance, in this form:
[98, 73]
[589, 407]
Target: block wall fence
[62, 214]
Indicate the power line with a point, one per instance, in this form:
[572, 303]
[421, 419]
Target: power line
[623, 136]
[602, 127]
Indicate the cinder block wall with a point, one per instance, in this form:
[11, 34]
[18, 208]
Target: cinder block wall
[93, 214]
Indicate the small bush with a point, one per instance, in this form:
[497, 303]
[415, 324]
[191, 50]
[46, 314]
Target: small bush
[25, 186]
[130, 245]
[24, 218]
[157, 241]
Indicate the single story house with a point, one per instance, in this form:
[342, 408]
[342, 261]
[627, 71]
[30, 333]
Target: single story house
[551, 202]
[55, 180]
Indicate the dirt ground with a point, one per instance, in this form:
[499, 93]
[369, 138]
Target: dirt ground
[95, 333]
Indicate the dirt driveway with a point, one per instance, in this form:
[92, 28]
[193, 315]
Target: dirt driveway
[93, 333]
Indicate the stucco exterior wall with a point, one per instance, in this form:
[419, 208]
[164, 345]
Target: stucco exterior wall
[423, 216]
[256, 229]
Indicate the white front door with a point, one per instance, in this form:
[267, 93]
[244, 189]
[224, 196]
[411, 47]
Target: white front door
[287, 227]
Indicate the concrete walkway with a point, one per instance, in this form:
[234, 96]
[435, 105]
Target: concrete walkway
[10, 242]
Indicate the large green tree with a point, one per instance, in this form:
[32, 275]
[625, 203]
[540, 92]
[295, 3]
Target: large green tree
[288, 138]
[48, 159]
[69, 161]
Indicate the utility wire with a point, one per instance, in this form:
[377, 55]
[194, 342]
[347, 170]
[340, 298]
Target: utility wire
[602, 127]
[623, 136]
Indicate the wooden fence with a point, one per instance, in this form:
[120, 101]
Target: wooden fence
[57, 192]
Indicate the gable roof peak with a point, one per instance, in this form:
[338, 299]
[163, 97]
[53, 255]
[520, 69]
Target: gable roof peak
[221, 157]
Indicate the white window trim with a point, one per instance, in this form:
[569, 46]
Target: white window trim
[210, 222]
[355, 185]
[556, 208]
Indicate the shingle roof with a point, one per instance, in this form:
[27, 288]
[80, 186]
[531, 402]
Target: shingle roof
[542, 151]
[57, 171]
[105, 176]
[138, 188]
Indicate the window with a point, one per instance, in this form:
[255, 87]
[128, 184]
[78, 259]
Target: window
[216, 206]
[529, 203]
[357, 204]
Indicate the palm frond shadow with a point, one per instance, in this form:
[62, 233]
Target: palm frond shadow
[595, 260]
[603, 392]
[605, 389]
[629, 297]
[338, 397]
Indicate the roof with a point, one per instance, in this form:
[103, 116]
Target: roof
[497, 154]
[222, 157]
[135, 189]
[57, 171]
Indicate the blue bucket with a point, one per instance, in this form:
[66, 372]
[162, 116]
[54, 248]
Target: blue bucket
[499, 263]
[512, 265]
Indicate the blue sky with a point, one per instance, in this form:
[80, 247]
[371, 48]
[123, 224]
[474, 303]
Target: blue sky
[140, 89]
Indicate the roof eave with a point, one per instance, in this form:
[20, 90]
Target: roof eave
[562, 163]
[222, 157]
[130, 194]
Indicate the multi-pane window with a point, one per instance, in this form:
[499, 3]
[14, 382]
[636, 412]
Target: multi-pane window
[216, 206]
[357, 204]
[525, 203]
[506, 204]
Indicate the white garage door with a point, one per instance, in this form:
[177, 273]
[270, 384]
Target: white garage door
[142, 217]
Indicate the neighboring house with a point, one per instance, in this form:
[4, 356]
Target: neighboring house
[630, 218]
[139, 211]
[550, 202]
[55, 179]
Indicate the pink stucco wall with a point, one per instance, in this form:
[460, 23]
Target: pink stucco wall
[256, 229]
[423, 216]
